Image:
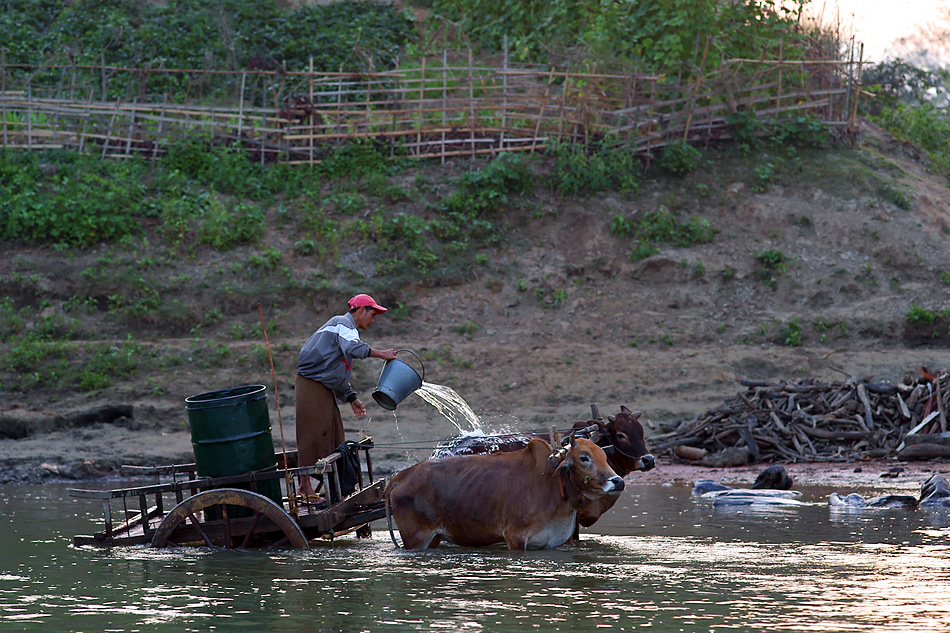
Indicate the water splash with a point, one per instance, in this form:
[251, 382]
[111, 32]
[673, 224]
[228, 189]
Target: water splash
[450, 405]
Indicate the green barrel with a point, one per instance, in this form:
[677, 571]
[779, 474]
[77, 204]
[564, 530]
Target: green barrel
[231, 435]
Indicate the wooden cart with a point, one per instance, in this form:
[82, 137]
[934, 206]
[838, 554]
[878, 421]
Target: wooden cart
[228, 512]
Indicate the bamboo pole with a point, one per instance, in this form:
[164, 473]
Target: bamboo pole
[445, 89]
[312, 117]
[778, 96]
[29, 121]
[692, 100]
[504, 96]
[241, 104]
[422, 87]
[128, 143]
[471, 100]
[852, 115]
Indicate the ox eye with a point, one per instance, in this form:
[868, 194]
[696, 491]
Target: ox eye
[621, 436]
[585, 458]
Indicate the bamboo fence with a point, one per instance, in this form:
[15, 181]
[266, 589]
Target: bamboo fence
[435, 108]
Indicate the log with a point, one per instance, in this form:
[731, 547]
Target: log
[924, 451]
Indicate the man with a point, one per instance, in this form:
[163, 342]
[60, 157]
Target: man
[323, 377]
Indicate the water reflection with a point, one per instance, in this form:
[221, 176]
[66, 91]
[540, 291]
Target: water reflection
[660, 560]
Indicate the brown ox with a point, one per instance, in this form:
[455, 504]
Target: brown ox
[526, 498]
[621, 438]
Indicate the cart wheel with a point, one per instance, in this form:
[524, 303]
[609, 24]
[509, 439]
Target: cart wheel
[181, 525]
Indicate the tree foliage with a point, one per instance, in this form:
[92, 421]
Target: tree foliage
[219, 34]
[657, 35]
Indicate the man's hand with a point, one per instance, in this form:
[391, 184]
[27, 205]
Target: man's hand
[358, 408]
[385, 354]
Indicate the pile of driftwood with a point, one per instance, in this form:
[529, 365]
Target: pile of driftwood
[815, 422]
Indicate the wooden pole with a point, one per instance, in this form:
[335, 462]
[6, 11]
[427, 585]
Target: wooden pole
[115, 113]
[504, 97]
[445, 90]
[29, 119]
[471, 100]
[778, 96]
[128, 141]
[339, 103]
[161, 122]
[288, 476]
[102, 62]
[3, 82]
[857, 92]
[422, 95]
[310, 102]
[699, 78]
[240, 104]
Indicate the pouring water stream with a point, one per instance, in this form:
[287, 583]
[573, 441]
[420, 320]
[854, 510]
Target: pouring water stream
[451, 406]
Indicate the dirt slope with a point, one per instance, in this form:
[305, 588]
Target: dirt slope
[668, 335]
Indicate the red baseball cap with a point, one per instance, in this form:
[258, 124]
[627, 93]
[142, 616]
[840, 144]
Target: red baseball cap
[365, 301]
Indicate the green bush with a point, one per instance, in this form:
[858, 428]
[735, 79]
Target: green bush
[774, 264]
[925, 316]
[791, 333]
[800, 131]
[927, 126]
[226, 33]
[356, 160]
[655, 35]
[661, 226]
[578, 171]
[226, 225]
[73, 200]
[680, 158]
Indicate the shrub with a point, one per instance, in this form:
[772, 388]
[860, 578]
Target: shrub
[578, 171]
[680, 158]
[774, 264]
[227, 225]
[801, 131]
[661, 226]
[791, 333]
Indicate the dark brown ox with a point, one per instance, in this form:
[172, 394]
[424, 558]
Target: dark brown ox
[622, 440]
[621, 437]
[526, 498]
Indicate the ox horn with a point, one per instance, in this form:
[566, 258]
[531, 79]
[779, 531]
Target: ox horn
[556, 460]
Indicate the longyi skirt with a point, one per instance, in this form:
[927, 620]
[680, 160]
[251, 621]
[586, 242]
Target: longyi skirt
[319, 423]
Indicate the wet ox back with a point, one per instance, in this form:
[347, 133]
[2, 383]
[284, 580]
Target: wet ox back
[511, 497]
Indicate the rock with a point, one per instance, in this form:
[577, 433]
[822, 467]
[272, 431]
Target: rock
[855, 500]
[935, 492]
[773, 478]
[702, 486]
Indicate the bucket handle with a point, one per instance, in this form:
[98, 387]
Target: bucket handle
[421, 364]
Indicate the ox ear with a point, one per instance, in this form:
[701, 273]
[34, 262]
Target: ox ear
[566, 463]
[573, 441]
[612, 418]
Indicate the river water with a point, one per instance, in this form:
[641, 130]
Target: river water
[660, 560]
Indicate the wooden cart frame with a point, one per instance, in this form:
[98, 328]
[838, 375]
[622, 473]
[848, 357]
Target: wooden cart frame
[228, 512]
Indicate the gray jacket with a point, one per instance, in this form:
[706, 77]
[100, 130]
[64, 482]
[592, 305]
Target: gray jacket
[327, 356]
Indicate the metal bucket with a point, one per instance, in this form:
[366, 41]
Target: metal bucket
[231, 435]
[396, 381]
